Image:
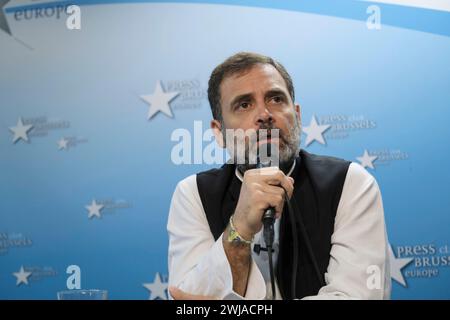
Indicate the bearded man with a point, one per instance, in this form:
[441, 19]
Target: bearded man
[216, 247]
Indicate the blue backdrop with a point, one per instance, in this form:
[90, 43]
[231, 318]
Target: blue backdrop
[86, 176]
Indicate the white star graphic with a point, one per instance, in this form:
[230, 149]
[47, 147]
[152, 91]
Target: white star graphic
[3, 22]
[397, 264]
[315, 132]
[94, 209]
[22, 276]
[159, 101]
[62, 144]
[20, 131]
[157, 288]
[367, 160]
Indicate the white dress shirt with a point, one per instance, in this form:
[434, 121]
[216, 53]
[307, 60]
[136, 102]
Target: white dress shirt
[358, 266]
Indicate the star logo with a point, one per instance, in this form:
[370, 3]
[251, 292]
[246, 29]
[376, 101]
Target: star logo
[159, 101]
[22, 276]
[397, 264]
[62, 144]
[20, 131]
[158, 289]
[94, 209]
[315, 132]
[3, 22]
[367, 160]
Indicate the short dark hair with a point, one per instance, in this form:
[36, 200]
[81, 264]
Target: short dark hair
[238, 63]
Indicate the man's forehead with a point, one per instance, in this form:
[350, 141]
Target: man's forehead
[260, 76]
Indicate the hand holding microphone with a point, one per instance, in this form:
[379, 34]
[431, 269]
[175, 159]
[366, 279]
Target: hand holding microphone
[261, 189]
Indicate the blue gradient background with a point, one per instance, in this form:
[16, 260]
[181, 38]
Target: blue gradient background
[398, 76]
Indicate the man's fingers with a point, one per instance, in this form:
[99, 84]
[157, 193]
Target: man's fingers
[275, 200]
[178, 294]
[273, 176]
[271, 189]
[286, 183]
[281, 181]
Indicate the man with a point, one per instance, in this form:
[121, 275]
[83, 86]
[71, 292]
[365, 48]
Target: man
[216, 249]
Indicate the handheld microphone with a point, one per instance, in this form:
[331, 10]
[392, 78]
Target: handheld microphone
[265, 160]
[268, 160]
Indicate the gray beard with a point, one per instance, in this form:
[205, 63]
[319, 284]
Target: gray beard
[288, 150]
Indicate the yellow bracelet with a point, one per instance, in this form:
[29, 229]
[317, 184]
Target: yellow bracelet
[234, 236]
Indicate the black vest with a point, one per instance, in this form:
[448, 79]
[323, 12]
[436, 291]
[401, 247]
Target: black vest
[318, 186]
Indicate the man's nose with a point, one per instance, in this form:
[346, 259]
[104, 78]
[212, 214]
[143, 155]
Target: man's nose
[263, 114]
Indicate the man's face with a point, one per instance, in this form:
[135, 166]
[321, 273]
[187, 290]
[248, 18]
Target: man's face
[259, 99]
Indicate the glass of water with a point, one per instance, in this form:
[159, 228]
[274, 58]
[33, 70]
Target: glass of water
[91, 294]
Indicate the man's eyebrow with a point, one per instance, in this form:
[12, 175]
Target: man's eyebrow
[275, 92]
[241, 97]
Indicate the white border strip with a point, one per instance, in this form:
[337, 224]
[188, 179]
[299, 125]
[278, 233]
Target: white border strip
[440, 5]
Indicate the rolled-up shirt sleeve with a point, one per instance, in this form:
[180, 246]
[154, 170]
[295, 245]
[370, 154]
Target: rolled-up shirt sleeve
[198, 263]
[359, 265]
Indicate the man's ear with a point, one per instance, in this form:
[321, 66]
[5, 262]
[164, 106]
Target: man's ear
[298, 113]
[217, 129]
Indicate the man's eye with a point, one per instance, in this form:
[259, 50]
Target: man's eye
[277, 99]
[243, 105]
